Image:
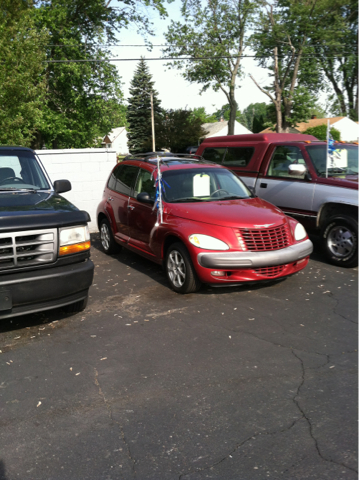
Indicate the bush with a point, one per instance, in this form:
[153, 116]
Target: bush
[320, 132]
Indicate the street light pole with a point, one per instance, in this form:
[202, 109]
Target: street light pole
[153, 125]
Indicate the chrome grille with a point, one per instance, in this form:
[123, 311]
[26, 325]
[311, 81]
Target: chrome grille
[259, 240]
[27, 248]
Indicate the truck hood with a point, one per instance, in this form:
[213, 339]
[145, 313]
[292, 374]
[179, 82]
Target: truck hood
[246, 213]
[21, 210]
[348, 181]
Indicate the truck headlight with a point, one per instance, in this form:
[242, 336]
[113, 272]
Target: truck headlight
[299, 232]
[207, 242]
[74, 240]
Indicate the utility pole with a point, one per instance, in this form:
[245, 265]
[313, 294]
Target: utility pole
[153, 125]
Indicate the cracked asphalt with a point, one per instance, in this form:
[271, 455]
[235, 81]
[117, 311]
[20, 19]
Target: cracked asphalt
[245, 383]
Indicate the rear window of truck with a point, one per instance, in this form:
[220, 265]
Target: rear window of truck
[229, 156]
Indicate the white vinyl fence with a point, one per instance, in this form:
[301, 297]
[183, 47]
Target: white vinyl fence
[87, 169]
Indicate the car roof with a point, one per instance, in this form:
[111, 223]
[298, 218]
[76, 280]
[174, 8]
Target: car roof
[14, 147]
[170, 160]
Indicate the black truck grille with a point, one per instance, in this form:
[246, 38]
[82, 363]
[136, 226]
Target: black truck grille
[28, 248]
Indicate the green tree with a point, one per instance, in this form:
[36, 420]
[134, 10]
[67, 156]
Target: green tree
[338, 59]
[139, 110]
[204, 117]
[255, 116]
[212, 40]
[282, 42]
[84, 97]
[320, 132]
[22, 84]
[179, 129]
[225, 112]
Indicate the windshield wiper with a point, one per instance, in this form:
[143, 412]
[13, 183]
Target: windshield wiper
[188, 199]
[232, 197]
[16, 189]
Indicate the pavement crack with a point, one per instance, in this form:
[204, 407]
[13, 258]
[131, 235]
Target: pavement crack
[331, 295]
[307, 419]
[239, 445]
[123, 436]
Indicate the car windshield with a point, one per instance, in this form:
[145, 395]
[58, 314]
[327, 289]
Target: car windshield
[343, 161]
[202, 185]
[19, 170]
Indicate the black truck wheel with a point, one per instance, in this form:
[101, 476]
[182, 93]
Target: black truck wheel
[340, 241]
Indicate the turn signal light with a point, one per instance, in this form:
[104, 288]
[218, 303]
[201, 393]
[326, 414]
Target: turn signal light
[75, 248]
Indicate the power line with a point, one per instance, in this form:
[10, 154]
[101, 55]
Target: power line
[226, 57]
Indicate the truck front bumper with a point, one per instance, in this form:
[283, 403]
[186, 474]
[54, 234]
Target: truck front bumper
[33, 291]
[235, 260]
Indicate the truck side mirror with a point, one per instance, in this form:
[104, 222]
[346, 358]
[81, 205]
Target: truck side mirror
[297, 169]
[62, 186]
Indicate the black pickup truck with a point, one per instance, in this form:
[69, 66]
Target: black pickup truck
[44, 240]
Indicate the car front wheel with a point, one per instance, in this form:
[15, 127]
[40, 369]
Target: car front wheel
[107, 241]
[180, 271]
[340, 241]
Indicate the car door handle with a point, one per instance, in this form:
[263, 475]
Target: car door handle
[263, 185]
[130, 207]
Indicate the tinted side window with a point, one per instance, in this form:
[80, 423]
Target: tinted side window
[214, 154]
[123, 179]
[238, 156]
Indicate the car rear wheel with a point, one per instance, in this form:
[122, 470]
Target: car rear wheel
[108, 242]
[340, 241]
[180, 271]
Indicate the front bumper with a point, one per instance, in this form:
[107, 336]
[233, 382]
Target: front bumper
[34, 291]
[239, 260]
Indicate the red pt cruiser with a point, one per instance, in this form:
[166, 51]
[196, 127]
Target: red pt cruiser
[199, 221]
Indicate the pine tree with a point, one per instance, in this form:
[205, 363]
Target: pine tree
[139, 110]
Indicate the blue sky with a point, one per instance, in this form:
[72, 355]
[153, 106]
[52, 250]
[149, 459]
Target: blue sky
[175, 92]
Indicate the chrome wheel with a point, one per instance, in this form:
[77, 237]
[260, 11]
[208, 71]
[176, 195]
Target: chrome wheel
[341, 241]
[108, 243]
[105, 236]
[176, 268]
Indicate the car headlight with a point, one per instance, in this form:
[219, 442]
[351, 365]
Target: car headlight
[207, 242]
[74, 240]
[299, 232]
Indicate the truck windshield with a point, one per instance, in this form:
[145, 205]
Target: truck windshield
[343, 161]
[202, 185]
[19, 170]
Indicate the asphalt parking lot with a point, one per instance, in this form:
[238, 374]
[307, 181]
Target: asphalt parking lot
[245, 383]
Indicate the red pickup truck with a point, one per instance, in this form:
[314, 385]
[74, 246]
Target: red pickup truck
[291, 171]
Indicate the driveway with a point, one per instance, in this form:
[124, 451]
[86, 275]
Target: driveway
[245, 383]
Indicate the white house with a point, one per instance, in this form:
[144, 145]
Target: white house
[349, 130]
[117, 140]
[218, 129]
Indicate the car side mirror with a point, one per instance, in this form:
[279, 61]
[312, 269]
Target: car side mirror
[144, 197]
[297, 169]
[62, 186]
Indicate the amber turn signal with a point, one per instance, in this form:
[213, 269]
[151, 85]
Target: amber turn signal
[75, 248]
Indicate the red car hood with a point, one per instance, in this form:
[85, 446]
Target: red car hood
[246, 213]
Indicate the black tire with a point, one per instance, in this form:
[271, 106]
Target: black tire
[340, 241]
[179, 269]
[76, 307]
[108, 243]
